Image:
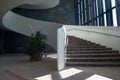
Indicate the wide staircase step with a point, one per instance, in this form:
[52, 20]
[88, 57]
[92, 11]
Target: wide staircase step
[86, 53]
[94, 59]
[83, 46]
[93, 55]
[94, 51]
[98, 64]
[82, 49]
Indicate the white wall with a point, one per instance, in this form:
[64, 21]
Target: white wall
[108, 36]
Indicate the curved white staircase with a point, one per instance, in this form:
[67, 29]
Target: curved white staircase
[24, 25]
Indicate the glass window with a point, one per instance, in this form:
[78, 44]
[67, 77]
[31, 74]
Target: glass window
[100, 6]
[82, 6]
[118, 11]
[101, 20]
[113, 3]
[114, 16]
[108, 4]
[98, 12]
[109, 18]
[85, 16]
[85, 3]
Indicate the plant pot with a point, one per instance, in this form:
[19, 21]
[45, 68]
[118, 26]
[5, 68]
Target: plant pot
[37, 57]
[41, 56]
[31, 58]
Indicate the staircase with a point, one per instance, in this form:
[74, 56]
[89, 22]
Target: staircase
[86, 53]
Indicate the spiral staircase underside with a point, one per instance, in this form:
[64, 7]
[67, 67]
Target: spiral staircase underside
[25, 25]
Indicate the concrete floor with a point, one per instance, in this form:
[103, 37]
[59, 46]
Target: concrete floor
[18, 67]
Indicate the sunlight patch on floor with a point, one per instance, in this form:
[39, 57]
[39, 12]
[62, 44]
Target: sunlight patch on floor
[54, 56]
[98, 77]
[46, 77]
[69, 72]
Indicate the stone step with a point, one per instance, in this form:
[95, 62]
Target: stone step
[84, 59]
[86, 47]
[96, 64]
[77, 39]
[93, 55]
[90, 48]
[77, 50]
[79, 43]
[82, 43]
[99, 51]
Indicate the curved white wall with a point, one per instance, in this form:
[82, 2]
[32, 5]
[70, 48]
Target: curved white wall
[7, 5]
[27, 26]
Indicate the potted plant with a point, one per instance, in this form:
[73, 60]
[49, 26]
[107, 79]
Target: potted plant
[37, 46]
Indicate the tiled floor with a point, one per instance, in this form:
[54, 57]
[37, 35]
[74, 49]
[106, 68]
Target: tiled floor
[18, 67]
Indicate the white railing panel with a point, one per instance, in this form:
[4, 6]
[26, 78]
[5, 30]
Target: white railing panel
[61, 47]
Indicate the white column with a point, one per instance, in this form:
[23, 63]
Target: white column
[61, 48]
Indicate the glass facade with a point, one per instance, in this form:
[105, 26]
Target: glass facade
[97, 12]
